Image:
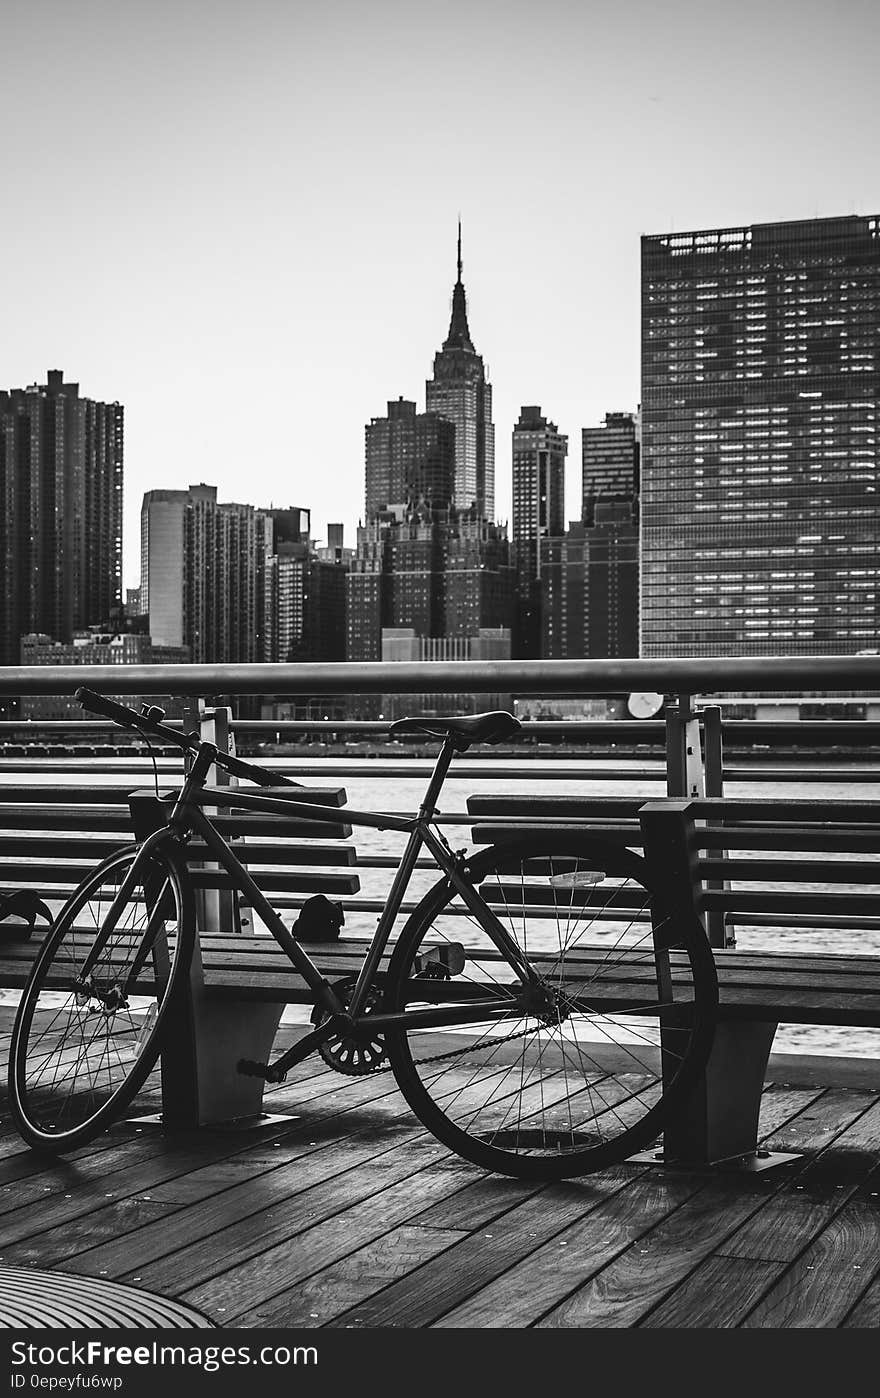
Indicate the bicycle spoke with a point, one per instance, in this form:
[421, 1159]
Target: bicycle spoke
[86, 1030]
[582, 1051]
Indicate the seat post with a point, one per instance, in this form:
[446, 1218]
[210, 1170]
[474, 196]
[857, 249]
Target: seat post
[438, 776]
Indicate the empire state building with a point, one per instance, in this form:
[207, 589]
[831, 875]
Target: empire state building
[460, 392]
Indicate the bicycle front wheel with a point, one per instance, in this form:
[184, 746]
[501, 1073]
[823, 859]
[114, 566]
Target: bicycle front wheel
[577, 1071]
[88, 1028]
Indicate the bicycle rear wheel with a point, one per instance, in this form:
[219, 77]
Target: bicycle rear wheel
[89, 1024]
[580, 1072]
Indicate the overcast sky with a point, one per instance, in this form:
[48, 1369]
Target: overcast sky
[238, 217]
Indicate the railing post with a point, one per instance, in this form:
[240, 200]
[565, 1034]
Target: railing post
[218, 908]
[721, 934]
[684, 767]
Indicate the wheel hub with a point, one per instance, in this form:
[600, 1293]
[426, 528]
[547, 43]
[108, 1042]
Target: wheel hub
[545, 1003]
[109, 1001]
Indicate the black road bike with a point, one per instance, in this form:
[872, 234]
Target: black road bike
[542, 1008]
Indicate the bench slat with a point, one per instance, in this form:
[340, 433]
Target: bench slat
[831, 839]
[771, 901]
[566, 807]
[86, 847]
[794, 871]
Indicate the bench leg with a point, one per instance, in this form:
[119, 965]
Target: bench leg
[719, 1119]
[205, 1038]
[200, 1082]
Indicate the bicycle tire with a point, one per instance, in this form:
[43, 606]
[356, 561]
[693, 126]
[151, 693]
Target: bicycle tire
[82, 1050]
[544, 1098]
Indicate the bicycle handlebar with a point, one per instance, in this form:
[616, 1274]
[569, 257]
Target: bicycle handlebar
[151, 722]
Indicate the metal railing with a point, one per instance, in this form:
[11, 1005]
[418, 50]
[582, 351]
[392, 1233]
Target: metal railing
[791, 674]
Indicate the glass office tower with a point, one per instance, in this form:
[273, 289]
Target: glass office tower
[760, 511]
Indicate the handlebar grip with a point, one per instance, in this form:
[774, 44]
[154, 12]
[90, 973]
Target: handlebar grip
[107, 708]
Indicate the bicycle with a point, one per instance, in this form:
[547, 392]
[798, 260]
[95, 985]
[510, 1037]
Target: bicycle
[542, 1010]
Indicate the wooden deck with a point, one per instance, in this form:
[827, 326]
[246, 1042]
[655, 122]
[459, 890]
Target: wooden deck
[350, 1215]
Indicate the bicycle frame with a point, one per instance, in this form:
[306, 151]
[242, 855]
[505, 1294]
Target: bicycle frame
[187, 816]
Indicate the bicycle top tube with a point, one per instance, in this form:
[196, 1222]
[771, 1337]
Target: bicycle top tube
[301, 810]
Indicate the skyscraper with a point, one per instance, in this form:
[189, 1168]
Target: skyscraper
[461, 393]
[162, 513]
[305, 607]
[396, 577]
[61, 460]
[610, 458]
[368, 596]
[410, 460]
[610, 455]
[204, 577]
[480, 581]
[539, 452]
[760, 508]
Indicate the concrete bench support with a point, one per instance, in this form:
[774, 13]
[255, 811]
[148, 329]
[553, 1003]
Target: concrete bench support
[719, 1119]
[206, 1037]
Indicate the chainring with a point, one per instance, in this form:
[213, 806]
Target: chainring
[345, 1053]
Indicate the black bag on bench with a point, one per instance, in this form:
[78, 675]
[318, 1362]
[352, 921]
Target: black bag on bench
[25, 904]
[319, 920]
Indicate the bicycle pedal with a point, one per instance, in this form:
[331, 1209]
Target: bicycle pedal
[249, 1068]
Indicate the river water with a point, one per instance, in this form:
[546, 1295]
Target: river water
[400, 792]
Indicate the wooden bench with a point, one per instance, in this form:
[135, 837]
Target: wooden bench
[742, 862]
[729, 860]
[777, 865]
[51, 835]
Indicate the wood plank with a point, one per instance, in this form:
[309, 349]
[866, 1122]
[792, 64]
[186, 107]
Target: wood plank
[246, 1258]
[716, 1295]
[828, 839]
[567, 807]
[252, 1209]
[430, 1293]
[769, 901]
[269, 1277]
[377, 1147]
[478, 1203]
[790, 1219]
[542, 1279]
[762, 1251]
[639, 1278]
[524, 1294]
[177, 1173]
[828, 1279]
[795, 871]
[865, 1314]
[778, 810]
[319, 1298]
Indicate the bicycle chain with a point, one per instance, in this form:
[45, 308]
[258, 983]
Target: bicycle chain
[433, 1058]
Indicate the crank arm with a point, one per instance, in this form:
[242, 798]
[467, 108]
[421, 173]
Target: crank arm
[275, 1072]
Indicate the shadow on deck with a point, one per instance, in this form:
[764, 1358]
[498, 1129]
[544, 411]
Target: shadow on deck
[347, 1214]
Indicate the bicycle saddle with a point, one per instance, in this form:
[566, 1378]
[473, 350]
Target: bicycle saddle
[465, 729]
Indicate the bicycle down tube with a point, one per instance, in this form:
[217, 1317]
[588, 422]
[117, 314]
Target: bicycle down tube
[188, 809]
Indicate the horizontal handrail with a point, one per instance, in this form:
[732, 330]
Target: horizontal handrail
[697, 675]
[821, 732]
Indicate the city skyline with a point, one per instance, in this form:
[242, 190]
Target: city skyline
[247, 234]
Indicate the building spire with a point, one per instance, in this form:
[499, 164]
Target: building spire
[459, 336]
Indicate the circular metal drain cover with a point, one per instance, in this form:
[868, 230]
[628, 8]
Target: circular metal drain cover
[62, 1301]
